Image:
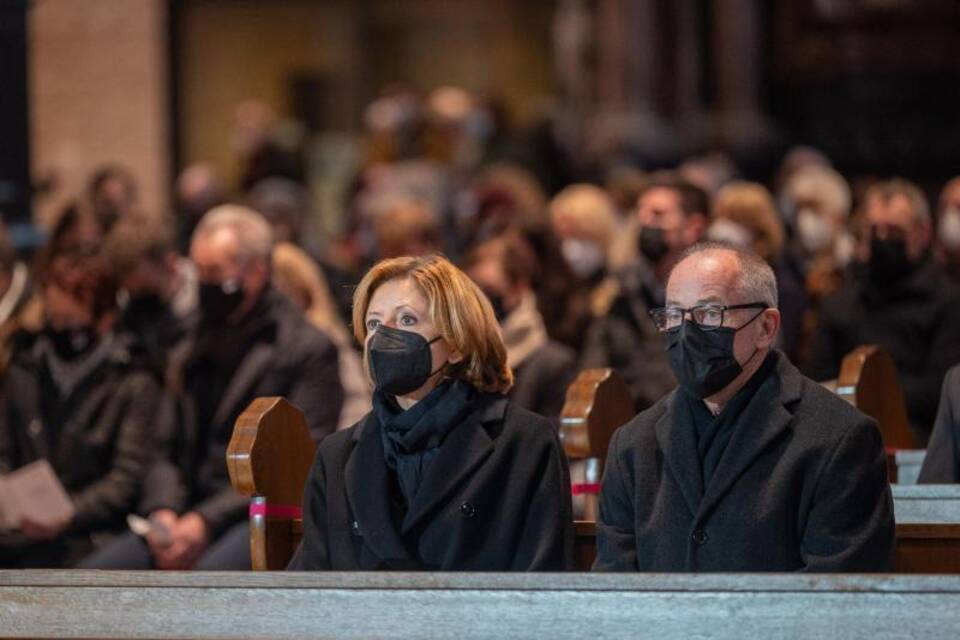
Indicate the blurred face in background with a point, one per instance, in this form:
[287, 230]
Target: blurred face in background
[229, 283]
[665, 229]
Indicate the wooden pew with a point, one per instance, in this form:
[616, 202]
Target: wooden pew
[868, 380]
[268, 459]
[928, 528]
[162, 605]
[597, 402]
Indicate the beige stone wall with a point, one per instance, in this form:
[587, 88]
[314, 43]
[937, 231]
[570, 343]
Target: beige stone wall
[99, 94]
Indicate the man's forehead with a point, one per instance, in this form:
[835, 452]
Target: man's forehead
[709, 276]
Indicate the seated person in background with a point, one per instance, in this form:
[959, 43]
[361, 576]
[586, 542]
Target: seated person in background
[542, 368]
[250, 341]
[747, 466]
[948, 229]
[158, 288]
[744, 215]
[445, 473]
[900, 299]
[297, 276]
[671, 216]
[73, 396]
[941, 465]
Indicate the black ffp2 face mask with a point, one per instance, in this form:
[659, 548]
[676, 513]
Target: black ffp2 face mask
[219, 300]
[72, 343]
[652, 243]
[400, 361]
[703, 361]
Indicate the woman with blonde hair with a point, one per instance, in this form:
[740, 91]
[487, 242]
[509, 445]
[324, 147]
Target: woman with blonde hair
[444, 473]
[297, 275]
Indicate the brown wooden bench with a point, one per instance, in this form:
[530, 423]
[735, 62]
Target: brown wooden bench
[597, 403]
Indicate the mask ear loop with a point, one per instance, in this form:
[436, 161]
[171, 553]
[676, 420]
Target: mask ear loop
[756, 350]
[442, 366]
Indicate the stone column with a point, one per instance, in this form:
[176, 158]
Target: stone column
[99, 95]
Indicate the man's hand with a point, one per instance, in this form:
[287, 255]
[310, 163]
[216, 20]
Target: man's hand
[188, 541]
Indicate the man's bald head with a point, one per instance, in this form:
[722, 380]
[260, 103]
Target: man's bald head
[738, 273]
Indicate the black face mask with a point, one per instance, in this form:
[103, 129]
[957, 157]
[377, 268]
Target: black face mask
[219, 300]
[703, 361]
[399, 361]
[652, 244]
[888, 260]
[71, 343]
[144, 309]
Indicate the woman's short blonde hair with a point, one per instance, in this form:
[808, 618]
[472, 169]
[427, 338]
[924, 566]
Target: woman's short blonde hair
[461, 312]
[751, 205]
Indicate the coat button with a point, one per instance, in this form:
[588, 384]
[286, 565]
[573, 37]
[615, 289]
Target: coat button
[355, 528]
[467, 510]
[699, 537]
[35, 428]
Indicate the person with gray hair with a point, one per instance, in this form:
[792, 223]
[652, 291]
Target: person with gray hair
[250, 341]
[747, 465]
[900, 299]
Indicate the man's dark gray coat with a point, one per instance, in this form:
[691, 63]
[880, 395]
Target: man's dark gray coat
[802, 485]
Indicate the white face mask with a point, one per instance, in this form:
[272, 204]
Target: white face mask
[585, 257]
[843, 249]
[813, 230]
[948, 229]
[730, 232]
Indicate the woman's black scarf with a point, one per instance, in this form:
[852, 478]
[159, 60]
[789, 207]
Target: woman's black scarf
[411, 438]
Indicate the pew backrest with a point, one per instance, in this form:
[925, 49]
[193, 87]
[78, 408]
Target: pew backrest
[269, 459]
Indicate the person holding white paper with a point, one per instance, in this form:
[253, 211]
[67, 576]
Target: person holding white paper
[74, 398]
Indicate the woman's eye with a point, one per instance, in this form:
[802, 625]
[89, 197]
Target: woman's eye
[372, 324]
[408, 320]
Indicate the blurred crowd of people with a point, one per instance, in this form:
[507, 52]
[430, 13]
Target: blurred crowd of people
[132, 340]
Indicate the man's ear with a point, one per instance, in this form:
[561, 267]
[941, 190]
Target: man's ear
[769, 326]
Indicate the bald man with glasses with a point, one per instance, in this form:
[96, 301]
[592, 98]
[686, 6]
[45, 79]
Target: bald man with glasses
[747, 465]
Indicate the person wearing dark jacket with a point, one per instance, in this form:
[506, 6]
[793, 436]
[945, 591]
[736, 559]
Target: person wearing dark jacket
[671, 216]
[73, 396]
[941, 465]
[901, 300]
[542, 368]
[444, 473]
[251, 341]
[748, 465]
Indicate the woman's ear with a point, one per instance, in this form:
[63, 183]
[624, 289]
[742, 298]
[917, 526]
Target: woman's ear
[454, 356]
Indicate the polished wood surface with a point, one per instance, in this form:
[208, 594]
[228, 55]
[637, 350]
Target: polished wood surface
[89, 604]
[597, 402]
[269, 458]
[868, 380]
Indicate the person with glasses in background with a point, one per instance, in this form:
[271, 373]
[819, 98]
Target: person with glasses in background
[747, 465]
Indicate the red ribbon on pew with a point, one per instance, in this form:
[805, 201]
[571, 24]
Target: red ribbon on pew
[284, 511]
[585, 488]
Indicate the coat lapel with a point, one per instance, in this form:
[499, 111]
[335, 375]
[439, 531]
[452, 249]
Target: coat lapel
[679, 444]
[368, 491]
[248, 373]
[464, 449]
[765, 418]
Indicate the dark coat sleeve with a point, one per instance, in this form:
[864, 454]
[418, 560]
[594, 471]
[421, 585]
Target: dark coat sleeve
[110, 497]
[318, 391]
[941, 462]
[165, 486]
[920, 388]
[616, 543]
[546, 543]
[312, 555]
[850, 525]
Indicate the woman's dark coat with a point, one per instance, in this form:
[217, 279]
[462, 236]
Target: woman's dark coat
[802, 485]
[495, 498]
